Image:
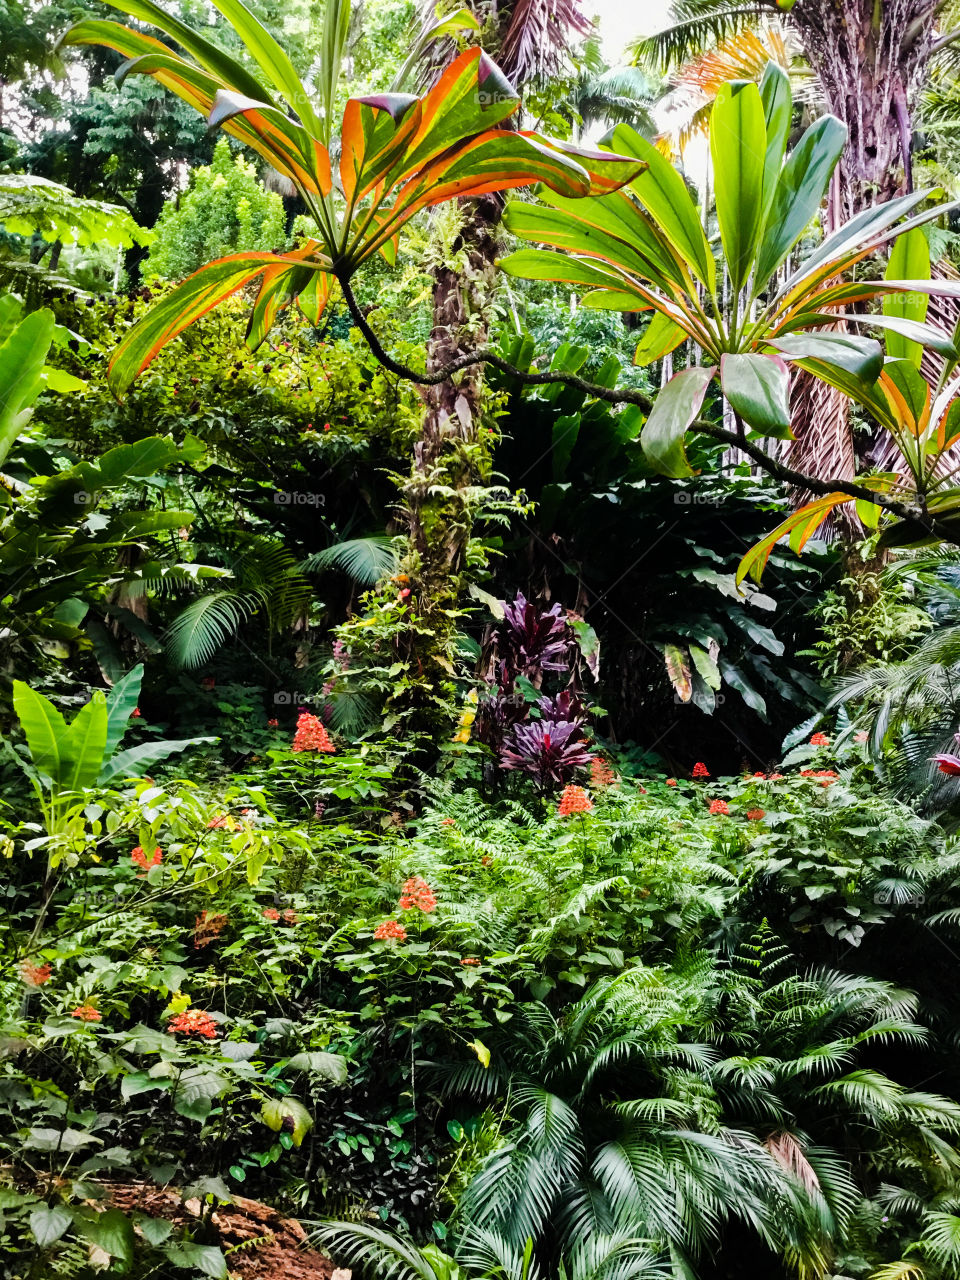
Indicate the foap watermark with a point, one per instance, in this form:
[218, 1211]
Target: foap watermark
[82, 498]
[702, 701]
[487, 97]
[691, 498]
[293, 697]
[898, 895]
[298, 498]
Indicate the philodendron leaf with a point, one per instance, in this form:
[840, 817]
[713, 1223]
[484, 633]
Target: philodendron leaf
[758, 390]
[332, 1066]
[49, 1224]
[287, 1114]
[673, 411]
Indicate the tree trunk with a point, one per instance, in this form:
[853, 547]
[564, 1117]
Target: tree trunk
[870, 57]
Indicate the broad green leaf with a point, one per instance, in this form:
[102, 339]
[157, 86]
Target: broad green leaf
[737, 680]
[481, 1050]
[48, 1225]
[677, 663]
[909, 260]
[81, 752]
[798, 194]
[778, 117]
[44, 728]
[738, 145]
[111, 1231]
[661, 336]
[332, 1066]
[277, 1112]
[334, 35]
[805, 521]
[860, 357]
[201, 1259]
[541, 264]
[706, 666]
[676, 406]
[22, 358]
[758, 389]
[663, 192]
[134, 762]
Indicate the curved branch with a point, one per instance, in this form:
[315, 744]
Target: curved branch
[623, 395]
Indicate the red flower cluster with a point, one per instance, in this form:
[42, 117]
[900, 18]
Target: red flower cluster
[86, 1013]
[35, 975]
[140, 859]
[574, 800]
[758, 774]
[311, 735]
[390, 929]
[448, 822]
[417, 893]
[207, 928]
[819, 740]
[135, 713]
[671, 782]
[469, 960]
[755, 814]
[601, 774]
[826, 776]
[194, 1022]
[700, 770]
[271, 913]
[719, 806]
[776, 777]
[273, 724]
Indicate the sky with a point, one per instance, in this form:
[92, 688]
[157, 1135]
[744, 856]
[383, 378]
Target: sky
[623, 20]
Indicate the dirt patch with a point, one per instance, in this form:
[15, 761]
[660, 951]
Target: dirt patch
[257, 1241]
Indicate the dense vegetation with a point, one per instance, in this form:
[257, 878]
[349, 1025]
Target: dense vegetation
[479, 643]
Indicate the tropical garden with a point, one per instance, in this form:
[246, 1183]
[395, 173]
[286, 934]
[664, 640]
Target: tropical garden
[479, 640]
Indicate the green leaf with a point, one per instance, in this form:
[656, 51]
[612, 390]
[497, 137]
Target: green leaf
[758, 389]
[738, 145]
[22, 358]
[706, 666]
[48, 1224]
[737, 680]
[205, 1259]
[277, 1111]
[332, 1066]
[909, 260]
[155, 1230]
[798, 194]
[111, 1231]
[121, 703]
[82, 752]
[44, 727]
[663, 192]
[136, 761]
[673, 410]
[778, 117]
[661, 336]
[862, 358]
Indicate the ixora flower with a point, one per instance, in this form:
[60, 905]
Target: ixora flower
[601, 774]
[671, 782]
[574, 800]
[389, 930]
[824, 776]
[417, 893]
[311, 735]
[194, 1022]
[469, 961]
[140, 859]
[719, 806]
[755, 815]
[819, 740]
[271, 913]
[35, 975]
[700, 770]
[86, 1013]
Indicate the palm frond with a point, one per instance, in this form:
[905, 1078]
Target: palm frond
[206, 625]
[366, 560]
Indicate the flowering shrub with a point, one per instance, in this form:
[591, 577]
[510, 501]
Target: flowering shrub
[35, 975]
[390, 930]
[719, 807]
[86, 1013]
[700, 770]
[193, 1022]
[417, 894]
[574, 800]
[311, 735]
[819, 740]
[140, 859]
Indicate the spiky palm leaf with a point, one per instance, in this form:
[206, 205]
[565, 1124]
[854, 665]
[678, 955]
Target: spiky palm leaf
[367, 560]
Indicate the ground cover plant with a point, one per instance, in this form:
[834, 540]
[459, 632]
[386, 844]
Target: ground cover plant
[478, 779]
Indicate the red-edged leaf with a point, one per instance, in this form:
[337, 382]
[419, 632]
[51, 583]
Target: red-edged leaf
[286, 144]
[673, 410]
[801, 525]
[376, 132]
[197, 295]
[282, 284]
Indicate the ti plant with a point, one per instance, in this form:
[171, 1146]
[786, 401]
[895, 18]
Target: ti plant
[398, 154]
[645, 248]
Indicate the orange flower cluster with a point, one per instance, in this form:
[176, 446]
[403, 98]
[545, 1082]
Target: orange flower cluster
[207, 928]
[574, 800]
[700, 770]
[311, 735]
[775, 777]
[826, 777]
[140, 859]
[194, 1022]
[271, 913]
[671, 782]
[390, 929]
[35, 975]
[222, 820]
[86, 1013]
[819, 740]
[469, 960]
[448, 822]
[755, 814]
[417, 893]
[719, 806]
[289, 916]
[601, 774]
[758, 774]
